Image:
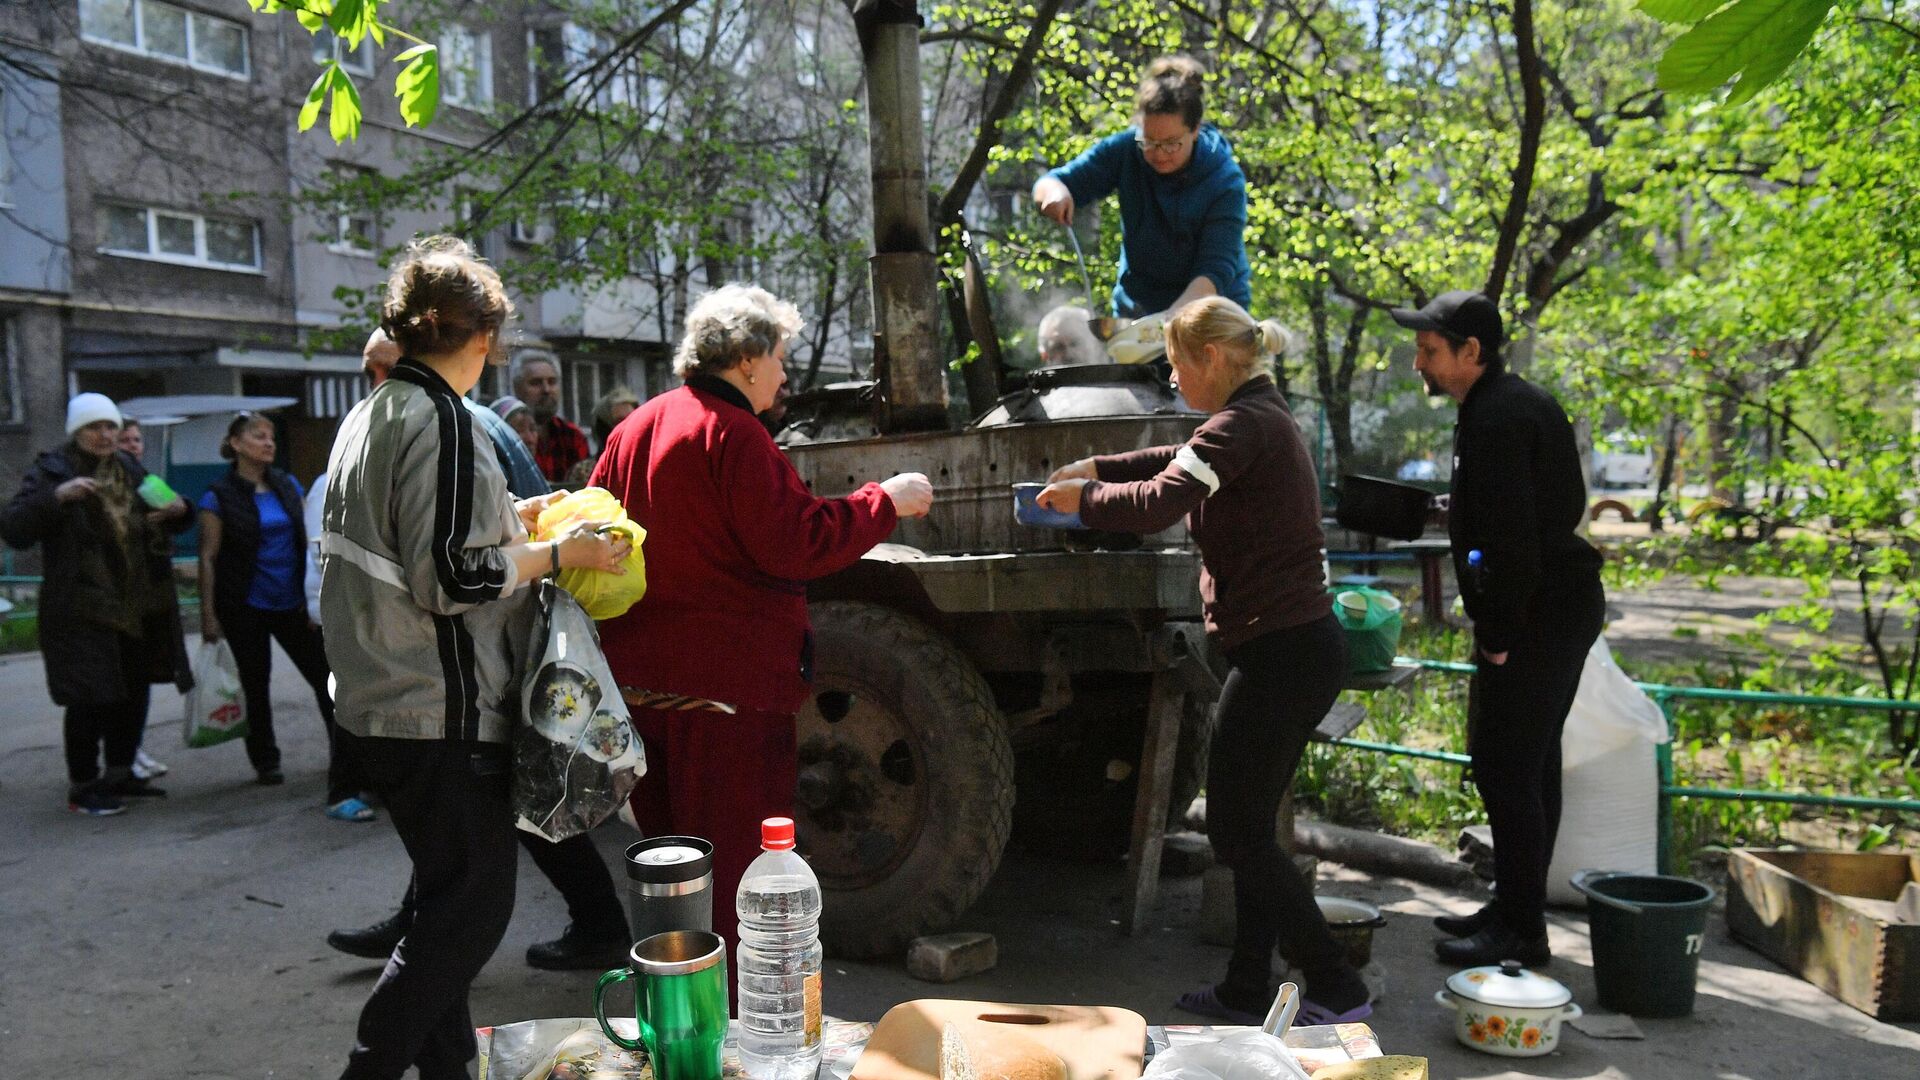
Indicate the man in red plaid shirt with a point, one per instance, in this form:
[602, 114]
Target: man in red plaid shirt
[536, 381]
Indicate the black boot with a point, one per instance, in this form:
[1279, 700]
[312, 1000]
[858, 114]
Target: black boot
[580, 949]
[374, 942]
[1493, 943]
[1466, 925]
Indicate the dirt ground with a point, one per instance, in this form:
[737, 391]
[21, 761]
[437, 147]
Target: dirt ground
[185, 939]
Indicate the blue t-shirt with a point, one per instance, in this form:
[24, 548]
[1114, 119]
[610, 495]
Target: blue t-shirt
[280, 565]
[1173, 229]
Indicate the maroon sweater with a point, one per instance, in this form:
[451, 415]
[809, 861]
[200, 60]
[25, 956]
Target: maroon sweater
[1248, 491]
[732, 538]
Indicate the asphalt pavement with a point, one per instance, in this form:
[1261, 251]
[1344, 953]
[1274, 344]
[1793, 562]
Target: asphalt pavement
[185, 939]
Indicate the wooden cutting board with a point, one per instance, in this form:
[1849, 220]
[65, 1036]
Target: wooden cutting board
[1097, 1043]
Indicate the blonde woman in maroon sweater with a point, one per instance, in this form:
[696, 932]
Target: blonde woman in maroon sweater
[1247, 489]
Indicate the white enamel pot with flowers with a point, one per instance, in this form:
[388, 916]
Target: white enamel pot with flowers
[1507, 1010]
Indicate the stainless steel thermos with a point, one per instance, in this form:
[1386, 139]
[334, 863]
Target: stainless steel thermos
[669, 885]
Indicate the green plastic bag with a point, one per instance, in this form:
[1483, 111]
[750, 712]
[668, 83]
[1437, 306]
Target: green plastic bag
[1372, 621]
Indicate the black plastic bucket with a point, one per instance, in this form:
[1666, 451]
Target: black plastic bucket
[1648, 931]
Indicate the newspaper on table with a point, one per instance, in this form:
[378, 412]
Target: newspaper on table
[575, 1048]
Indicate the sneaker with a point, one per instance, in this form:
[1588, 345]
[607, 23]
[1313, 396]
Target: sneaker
[132, 787]
[94, 803]
[374, 942]
[145, 767]
[350, 809]
[270, 778]
[580, 950]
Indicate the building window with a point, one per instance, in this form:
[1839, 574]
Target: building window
[355, 230]
[145, 232]
[9, 375]
[583, 385]
[167, 32]
[466, 68]
[6, 156]
[466, 211]
[328, 46]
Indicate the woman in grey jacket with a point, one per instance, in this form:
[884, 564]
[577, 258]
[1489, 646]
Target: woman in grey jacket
[426, 626]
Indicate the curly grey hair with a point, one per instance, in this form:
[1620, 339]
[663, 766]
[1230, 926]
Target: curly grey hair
[731, 324]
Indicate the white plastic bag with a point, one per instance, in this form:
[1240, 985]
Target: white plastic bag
[1609, 817]
[575, 753]
[1243, 1055]
[216, 707]
[1608, 713]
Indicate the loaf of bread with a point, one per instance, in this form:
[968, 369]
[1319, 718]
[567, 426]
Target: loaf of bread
[1393, 1067]
[977, 1050]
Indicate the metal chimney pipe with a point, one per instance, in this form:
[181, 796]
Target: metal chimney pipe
[906, 298]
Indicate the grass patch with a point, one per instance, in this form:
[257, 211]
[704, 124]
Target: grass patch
[1715, 744]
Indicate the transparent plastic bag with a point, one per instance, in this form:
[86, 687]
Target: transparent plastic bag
[575, 753]
[603, 595]
[1243, 1055]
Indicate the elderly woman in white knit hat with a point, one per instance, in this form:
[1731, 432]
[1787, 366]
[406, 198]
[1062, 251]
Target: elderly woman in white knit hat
[109, 619]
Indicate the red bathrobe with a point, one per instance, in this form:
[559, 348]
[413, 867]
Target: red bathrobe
[732, 538]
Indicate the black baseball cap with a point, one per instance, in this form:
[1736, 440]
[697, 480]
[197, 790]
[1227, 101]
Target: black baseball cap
[1463, 314]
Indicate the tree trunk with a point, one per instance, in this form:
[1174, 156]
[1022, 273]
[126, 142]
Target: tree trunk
[1656, 514]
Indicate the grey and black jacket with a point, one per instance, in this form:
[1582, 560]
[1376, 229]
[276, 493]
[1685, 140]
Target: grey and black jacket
[426, 623]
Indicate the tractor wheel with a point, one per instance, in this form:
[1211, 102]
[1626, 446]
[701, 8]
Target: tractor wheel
[906, 779]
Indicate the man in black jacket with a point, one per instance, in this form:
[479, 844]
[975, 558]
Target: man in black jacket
[1531, 585]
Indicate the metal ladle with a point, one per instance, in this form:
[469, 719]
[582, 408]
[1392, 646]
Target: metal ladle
[1103, 327]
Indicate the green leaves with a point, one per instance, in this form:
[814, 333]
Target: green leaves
[1754, 40]
[418, 85]
[336, 92]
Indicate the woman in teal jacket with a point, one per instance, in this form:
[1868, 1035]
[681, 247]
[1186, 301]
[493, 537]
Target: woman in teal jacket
[1183, 198]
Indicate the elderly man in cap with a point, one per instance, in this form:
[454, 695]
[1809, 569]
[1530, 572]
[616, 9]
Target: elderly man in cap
[1531, 585]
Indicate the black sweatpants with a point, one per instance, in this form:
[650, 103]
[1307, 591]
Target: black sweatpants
[1279, 689]
[579, 873]
[1515, 714]
[250, 633]
[449, 802]
[115, 727]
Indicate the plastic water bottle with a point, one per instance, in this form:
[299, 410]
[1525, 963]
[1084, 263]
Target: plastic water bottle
[779, 960]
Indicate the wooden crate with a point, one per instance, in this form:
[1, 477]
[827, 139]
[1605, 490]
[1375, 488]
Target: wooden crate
[1828, 917]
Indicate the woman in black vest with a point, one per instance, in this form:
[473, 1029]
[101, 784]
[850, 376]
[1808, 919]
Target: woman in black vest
[253, 562]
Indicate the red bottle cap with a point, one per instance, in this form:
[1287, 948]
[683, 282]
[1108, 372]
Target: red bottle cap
[776, 834]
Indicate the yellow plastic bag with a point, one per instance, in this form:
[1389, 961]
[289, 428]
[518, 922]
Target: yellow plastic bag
[603, 595]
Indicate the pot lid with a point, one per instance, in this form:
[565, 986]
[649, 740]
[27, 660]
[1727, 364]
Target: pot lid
[1509, 985]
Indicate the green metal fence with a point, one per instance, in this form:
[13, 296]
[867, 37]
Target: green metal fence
[1668, 697]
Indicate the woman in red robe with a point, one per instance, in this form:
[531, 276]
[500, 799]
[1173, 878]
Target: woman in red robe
[716, 660]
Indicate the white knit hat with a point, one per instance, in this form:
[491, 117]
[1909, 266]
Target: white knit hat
[86, 409]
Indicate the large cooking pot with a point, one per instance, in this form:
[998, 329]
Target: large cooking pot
[1386, 508]
[1507, 1010]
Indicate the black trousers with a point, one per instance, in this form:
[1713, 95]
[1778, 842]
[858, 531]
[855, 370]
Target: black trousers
[449, 803]
[1515, 714]
[1279, 689]
[251, 633]
[579, 873]
[115, 727]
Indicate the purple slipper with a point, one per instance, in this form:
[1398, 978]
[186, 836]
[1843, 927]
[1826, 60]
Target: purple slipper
[1204, 1002]
[1316, 1015]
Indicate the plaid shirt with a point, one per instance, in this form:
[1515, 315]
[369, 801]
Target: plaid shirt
[561, 444]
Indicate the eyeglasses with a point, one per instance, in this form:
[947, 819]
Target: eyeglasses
[1159, 146]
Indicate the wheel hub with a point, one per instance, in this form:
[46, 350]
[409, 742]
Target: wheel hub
[861, 794]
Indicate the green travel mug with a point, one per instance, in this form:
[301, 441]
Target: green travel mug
[679, 1001]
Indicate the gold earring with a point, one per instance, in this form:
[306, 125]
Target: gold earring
[749, 378]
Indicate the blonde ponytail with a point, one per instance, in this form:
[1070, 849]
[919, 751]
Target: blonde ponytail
[1218, 321]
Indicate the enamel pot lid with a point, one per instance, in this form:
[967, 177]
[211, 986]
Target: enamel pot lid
[1510, 986]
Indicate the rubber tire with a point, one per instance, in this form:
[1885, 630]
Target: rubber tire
[969, 764]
